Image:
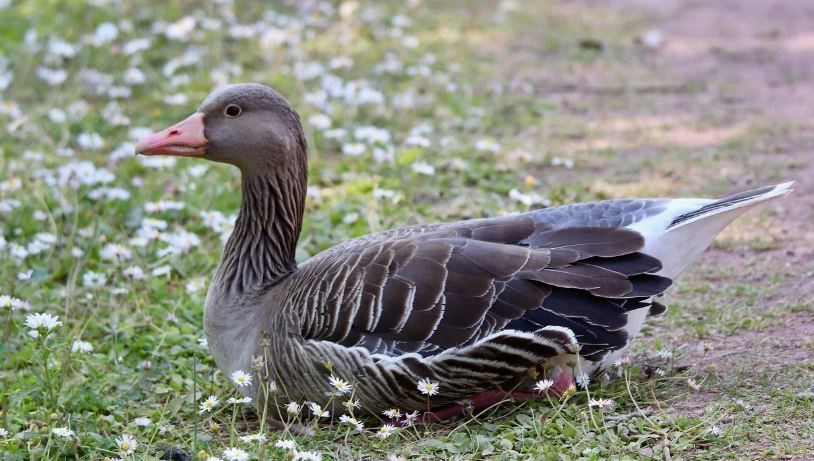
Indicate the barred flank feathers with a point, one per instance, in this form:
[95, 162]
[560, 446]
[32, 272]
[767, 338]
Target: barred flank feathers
[476, 313]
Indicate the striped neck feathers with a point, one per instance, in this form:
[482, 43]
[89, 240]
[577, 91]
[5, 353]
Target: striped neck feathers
[260, 253]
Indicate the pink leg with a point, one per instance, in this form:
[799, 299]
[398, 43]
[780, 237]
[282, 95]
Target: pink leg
[486, 399]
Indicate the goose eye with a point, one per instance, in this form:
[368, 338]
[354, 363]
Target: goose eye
[232, 110]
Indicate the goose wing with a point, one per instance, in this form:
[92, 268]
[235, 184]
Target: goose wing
[430, 288]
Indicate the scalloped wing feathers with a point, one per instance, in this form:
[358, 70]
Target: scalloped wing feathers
[431, 288]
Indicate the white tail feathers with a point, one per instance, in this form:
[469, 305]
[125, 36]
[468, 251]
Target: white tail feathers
[742, 201]
[695, 223]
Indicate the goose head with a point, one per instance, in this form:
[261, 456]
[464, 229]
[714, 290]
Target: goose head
[251, 126]
[248, 125]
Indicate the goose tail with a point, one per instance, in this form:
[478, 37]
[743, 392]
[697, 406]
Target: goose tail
[733, 205]
[692, 224]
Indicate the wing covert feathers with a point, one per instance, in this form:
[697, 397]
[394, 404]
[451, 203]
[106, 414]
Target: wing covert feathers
[449, 287]
[476, 304]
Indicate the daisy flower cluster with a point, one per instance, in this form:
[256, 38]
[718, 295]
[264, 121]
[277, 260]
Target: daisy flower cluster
[106, 256]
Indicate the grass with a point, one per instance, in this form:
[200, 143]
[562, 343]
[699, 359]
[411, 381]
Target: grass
[466, 80]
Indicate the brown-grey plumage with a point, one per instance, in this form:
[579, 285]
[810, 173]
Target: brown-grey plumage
[474, 305]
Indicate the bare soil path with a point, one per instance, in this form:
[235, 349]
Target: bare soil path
[721, 99]
[753, 62]
[756, 58]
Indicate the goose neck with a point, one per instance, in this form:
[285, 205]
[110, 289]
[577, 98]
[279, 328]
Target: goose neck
[260, 253]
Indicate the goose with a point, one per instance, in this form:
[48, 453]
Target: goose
[476, 310]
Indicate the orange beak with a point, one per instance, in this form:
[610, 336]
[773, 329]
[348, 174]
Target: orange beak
[184, 139]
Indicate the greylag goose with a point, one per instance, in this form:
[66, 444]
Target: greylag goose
[481, 307]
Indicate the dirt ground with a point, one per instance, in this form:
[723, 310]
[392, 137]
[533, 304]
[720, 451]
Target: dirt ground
[755, 60]
[764, 50]
[719, 76]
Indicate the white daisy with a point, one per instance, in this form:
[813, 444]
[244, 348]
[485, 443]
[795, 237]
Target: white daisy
[241, 378]
[92, 279]
[10, 302]
[105, 33]
[427, 387]
[57, 115]
[392, 413]
[114, 251]
[341, 387]
[318, 411]
[353, 149]
[528, 199]
[46, 321]
[53, 77]
[487, 145]
[664, 354]
[134, 272]
[81, 346]
[604, 404]
[136, 46]
[142, 421]
[293, 408]
[126, 444]
[208, 404]
[253, 438]
[320, 121]
[385, 431]
[417, 141]
[63, 432]
[350, 420]
[236, 401]
[543, 385]
[41, 323]
[195, 285]
[564, 162]
[161, 270]
[423, 168]
[306, 456]
[235, 454]
[622, 361]
[286, 444]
